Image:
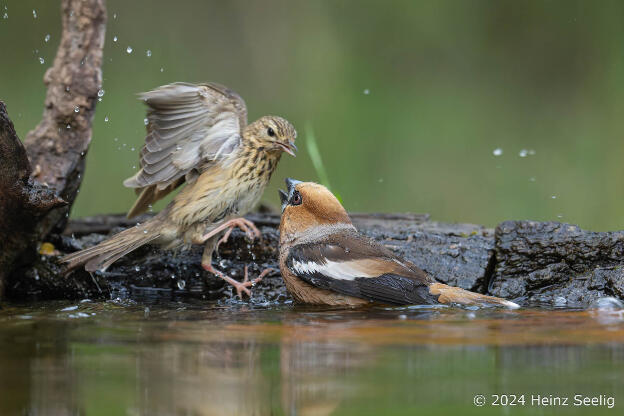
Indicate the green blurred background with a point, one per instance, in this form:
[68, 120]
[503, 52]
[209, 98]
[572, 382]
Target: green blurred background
[408, 100]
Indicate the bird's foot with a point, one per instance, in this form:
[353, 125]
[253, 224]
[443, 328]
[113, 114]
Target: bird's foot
[239, 286]
[245, 225]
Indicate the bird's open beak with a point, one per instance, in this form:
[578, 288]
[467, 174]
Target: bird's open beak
[283, 199]
[290, 188]
[290, 185]
[288, 147]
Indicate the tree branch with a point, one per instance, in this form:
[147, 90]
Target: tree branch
[57, 147]
[36, 196]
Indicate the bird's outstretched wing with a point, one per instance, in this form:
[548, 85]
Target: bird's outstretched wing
[188, 128]
[353, 265]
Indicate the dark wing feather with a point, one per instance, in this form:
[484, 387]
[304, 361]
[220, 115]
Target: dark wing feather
[350, 264]
[189, 127]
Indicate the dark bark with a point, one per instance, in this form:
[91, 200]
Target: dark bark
[57, 147]
[534, 263]
[22, 201]
[456, 254]
[36, 196]
[555, 263]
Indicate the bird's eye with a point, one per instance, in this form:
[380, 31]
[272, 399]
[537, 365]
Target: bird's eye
[271, 132]
[296, 199]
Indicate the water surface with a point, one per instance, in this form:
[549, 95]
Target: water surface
[196, 358]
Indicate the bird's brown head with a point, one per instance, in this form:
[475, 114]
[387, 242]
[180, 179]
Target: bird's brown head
[273, 134]
[307, 205]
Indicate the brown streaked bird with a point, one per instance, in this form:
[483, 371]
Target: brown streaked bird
[324, 260]
[198, 135]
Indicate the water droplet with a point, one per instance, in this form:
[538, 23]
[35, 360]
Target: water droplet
[366, 91]
[41, 60]
[47, 38]
[101, 92]
[76, 109]
[129, 49]
[560, 301]
[523, 153]
[181, 284]
[497, 152]
[145, 121]
[114, 38]
[148, 53]
[607, 304]
[106, 119]
[34, 14]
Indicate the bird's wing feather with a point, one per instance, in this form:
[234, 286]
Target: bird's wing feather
[189, 127]
[353, 265]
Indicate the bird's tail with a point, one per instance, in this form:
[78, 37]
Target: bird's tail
[101, 256]
[450, 294]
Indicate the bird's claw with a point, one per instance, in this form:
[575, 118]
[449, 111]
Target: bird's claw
[248, 227]
[240, 287]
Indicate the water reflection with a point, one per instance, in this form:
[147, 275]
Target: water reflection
[194, 360]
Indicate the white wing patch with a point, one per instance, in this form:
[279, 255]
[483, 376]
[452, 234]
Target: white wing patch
[345, 270]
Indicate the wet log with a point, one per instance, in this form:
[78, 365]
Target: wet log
[530, 262]
[458, 254]
[557, 264]
[23, 201]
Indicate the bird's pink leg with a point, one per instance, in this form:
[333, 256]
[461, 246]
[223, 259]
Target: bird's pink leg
[239, 286]
[245, 225]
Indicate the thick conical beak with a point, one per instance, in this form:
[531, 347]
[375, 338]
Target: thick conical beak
[283, 199]
[288, 147]
[290, 184]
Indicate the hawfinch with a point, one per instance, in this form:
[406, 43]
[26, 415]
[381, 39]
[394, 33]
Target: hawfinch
[325, 261]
